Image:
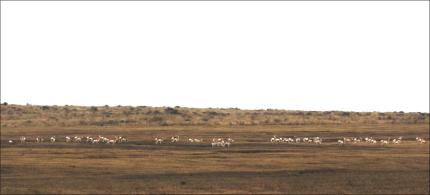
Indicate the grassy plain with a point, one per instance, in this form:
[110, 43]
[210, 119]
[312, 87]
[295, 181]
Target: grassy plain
[251, 165]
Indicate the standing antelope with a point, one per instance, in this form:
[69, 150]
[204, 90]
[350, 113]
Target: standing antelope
[158, 140]
[420, 140]
[22, 139]
[39, 139]
[175, 139]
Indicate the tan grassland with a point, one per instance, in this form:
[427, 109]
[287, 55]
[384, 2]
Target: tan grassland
[251, 165]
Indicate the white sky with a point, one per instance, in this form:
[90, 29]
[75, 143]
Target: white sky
[352, 56]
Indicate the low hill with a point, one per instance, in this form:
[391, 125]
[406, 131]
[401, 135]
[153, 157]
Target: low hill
[15, 116]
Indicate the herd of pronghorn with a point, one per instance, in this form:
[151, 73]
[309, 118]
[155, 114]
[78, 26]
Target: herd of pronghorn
[74, 139]
[344, 140]
[216, 142]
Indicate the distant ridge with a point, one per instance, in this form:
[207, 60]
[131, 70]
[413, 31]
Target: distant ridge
[13, 115]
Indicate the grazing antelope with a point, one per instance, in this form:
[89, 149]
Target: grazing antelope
[68, 139]
[341, 142]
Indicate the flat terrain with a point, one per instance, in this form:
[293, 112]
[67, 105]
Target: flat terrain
[251, 165]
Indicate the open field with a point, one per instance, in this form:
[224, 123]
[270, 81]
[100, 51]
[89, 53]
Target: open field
[251, 165]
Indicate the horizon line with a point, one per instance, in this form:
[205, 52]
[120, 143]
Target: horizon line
[178, 106]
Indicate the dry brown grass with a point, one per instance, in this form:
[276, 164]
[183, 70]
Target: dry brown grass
[251, 165]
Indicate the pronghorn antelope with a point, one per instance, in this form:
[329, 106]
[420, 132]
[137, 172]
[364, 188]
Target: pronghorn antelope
[420, 140]
[89, 139]
[356, 140]
[103, 139]
[158, 140]
[52, 139]
[385, 141]
[68, 139]
[194, 140]
[288, 140]
[11, 141]
[39, 139]
[370, 140]
[341, 142]
[221, 142]
[275, 139]
[174, 139]
[317, 140]
[121, 139]
[398, 140]
[22, 139]
[77, 139]
[346, 140]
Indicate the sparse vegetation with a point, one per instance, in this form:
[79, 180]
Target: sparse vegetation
[251, 165]
[15, 116]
